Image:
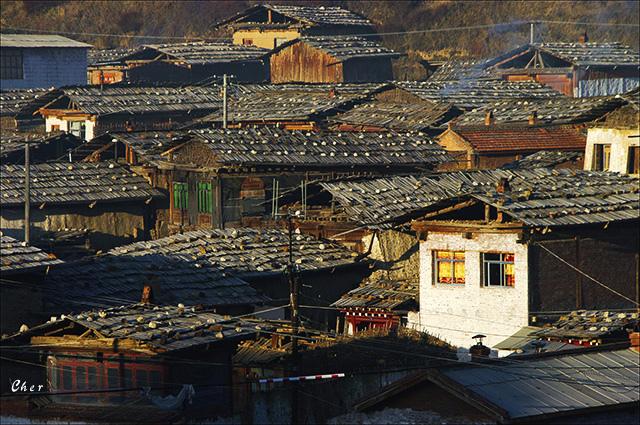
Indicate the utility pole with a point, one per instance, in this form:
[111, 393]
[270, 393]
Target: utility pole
[224, 101]
[531, 33]
[27, 194]
[294, 295]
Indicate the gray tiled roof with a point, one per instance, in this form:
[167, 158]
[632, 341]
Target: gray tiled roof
[96, 57]
[556, 384]
[397, 116]
[65, 183]
[544, 159]
[591, 325]
[244, 251]
[39, 40]
[557, 110]
[12, 145]
[458, 69]
[592, 53]
[114, 279]
[321, 15]
[159, 328]
[12, 101]
[291, 102]
[344, 48]
[204, 52]
[266, 146]
[470, 94]
[17, 257]
[117, 98]
[381, 294]
[537, 197]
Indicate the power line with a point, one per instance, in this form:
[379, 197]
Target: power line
[584, 274]
[421, 31]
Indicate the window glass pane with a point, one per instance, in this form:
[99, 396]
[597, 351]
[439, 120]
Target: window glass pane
[93, 378]
[493, 274]
[155, 378]
[113, 378]
[141, 378]
[128, 378]
[458, 272]
[67, 381]
[81, 378]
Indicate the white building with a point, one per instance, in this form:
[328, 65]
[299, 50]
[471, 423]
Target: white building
[613, 144]
[523, 247]
[41, 61]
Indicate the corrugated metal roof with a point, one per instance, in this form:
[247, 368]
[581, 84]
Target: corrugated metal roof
[39, 40]
[554, 384]
[17, 257]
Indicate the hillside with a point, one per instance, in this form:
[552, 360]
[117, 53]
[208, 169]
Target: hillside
[194, 19]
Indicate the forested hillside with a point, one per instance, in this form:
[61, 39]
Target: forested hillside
[194, 19]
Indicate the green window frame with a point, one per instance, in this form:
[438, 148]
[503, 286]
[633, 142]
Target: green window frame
[205, 199]
[180, 196]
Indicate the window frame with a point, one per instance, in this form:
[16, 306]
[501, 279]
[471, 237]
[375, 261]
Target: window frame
[501, 263]
[205, 197]
[633, 160]
[452, 263]
[12, 64]
[180, 197]
[601, 160]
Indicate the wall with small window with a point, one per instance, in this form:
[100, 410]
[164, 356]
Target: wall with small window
[613, 149]
[43, 67]
[473, 285]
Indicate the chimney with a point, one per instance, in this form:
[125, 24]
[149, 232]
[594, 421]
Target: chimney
[583, 38]
[503, 185]
[479, 351]
[332, 92]
[533, 118]
[147, 295]
[488, 118]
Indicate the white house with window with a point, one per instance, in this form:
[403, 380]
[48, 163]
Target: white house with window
[522, 247]
[41, 61]
[614, 143]
[473, 285]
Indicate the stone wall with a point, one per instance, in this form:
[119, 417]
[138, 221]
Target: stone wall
[395, 254]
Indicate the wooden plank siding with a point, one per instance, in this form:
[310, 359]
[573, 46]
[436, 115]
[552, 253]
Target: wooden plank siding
[302, 63]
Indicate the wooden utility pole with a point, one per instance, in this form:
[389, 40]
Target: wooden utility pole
[294, 295]
[224, 101]
[531, 33]
[27, 194]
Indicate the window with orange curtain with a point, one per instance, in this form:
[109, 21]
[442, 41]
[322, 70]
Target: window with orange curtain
[449, 267]
[498, 269]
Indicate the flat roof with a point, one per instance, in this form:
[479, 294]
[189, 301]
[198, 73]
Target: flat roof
[39, 40]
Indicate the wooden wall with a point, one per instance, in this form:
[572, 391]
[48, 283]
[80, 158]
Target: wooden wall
[609, 255]
[301, 63]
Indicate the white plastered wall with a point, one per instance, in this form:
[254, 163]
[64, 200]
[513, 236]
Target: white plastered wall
[456, 313]
[620, 142]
